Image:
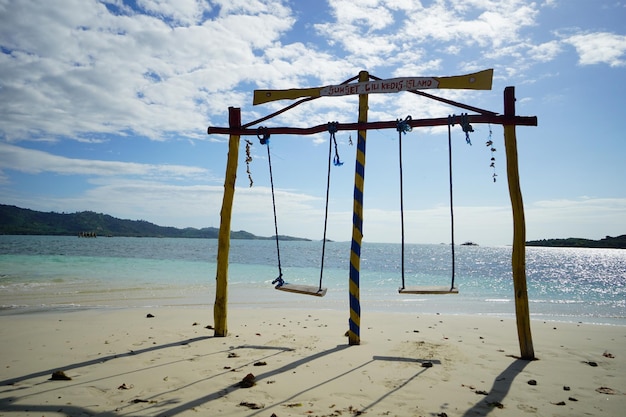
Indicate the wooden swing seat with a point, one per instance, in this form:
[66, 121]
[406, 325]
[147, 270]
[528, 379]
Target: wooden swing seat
[302, 289]
[429, 290]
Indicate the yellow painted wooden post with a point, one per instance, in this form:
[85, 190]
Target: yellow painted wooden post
[518, 260]
[354, 337]
[220, 308]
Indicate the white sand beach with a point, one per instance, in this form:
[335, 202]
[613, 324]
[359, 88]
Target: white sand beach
[124, 363]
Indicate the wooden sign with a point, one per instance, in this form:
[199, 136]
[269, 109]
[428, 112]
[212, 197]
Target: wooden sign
[477, 81]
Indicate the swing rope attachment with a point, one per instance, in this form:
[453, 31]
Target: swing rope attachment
[403, 126]
[465, 125]
[332, 129]
[263, 135]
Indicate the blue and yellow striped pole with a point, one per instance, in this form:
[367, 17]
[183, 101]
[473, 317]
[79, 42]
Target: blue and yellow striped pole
[354, 333]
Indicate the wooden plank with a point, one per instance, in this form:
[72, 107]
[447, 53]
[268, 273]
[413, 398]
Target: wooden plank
[302, 289]
[265, 96]
[428, 290]
[481, 80]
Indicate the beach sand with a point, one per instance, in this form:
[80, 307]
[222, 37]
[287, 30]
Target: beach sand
[124, 363]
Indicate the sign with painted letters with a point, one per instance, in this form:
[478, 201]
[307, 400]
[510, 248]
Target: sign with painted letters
[391, 85]
[481, 80]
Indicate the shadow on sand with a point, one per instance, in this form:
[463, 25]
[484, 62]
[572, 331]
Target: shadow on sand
[496, 395]
[499, 390]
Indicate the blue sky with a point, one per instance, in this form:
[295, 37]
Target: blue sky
[104, 106]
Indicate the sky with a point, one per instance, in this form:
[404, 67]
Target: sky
[105, 105]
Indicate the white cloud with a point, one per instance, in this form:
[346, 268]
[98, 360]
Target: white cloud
[368, 13]
[167, 69]
[410, 33]
[484, 23]
[184, 12]
[92, 71]
[545, 52]
[600, 48]
[253, 7]
[35, 162]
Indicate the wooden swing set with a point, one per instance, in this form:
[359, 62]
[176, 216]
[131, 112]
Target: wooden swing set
[368, 84]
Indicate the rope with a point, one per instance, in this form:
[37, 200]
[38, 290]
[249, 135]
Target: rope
[402, 127]
[451, 197]
[264, 139]
[332, 129]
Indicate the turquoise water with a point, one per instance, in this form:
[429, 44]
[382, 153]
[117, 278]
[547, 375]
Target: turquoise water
[47, 272]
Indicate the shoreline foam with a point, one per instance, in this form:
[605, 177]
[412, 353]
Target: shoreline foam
[422, 307]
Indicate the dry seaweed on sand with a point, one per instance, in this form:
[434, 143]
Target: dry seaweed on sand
[247, 381]
[252, 406]
[59, 376]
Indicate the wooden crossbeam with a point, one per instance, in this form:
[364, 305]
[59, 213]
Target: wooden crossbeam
[481, 80]
[442, 121]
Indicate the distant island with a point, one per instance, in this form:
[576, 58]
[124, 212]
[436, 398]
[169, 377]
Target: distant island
[20, 221]
[608, 242]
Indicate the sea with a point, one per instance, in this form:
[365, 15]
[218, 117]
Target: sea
[67, 273]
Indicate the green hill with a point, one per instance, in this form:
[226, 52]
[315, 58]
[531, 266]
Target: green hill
[608, 242]
[19, 221]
